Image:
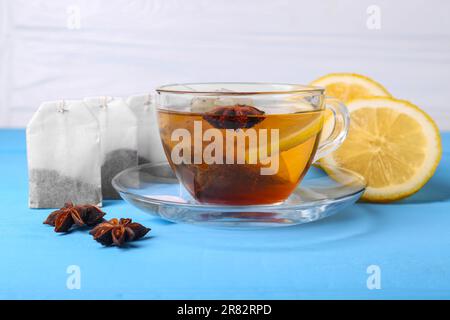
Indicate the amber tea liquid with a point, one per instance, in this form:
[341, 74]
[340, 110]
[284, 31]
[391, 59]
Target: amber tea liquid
[243, 184]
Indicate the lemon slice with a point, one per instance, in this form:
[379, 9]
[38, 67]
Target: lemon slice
[350, 86]
[290, 139]
[290, 135]
[347, 87]
[392, 143]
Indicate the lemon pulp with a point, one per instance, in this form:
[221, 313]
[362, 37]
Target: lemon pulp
[392, 143]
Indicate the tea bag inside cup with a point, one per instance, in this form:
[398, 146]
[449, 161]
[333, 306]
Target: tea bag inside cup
[202, 104]
[118, 131]
[149, 144]
[63, 149]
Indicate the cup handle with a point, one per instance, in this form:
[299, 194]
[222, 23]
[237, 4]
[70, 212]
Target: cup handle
[340, 129]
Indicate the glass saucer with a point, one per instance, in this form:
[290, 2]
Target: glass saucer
[154, 189]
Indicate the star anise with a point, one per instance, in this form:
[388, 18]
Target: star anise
[239, 116]
[118, 232]
[83, 215]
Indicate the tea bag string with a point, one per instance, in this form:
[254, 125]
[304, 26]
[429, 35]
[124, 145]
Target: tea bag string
[148, 101]
[104, 102]
[61, 106]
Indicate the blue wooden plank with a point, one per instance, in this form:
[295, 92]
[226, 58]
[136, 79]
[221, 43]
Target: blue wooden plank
[408, 240]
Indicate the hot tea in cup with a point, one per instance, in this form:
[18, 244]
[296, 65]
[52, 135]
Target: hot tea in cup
[245, 143]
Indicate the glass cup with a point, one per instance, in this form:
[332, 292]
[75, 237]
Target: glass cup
[246, 143]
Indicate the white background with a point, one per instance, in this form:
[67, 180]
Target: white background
[131, 46]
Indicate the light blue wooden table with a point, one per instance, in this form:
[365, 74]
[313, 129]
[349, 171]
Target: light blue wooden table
[408, 241]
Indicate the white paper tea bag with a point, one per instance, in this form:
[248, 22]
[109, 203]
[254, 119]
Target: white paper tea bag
[63, 149]
[201, 104]
[118, 130]
[150, 148]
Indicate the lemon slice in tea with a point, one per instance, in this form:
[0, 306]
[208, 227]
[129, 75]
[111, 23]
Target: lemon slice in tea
[298, 137]
[294, 129]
